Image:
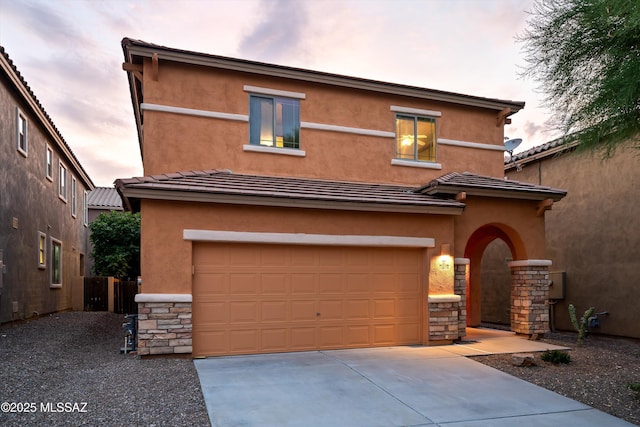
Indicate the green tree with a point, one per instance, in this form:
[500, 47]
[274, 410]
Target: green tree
[116, 244]
[585, 56]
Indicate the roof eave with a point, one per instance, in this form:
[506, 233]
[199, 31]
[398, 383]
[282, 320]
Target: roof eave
[503, 194]
[133, 49]
[133, 194]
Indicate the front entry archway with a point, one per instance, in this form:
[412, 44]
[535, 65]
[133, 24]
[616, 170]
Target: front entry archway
[529, 280]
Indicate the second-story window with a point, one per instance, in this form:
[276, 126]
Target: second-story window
[415, 138]
[21, 134]
[49, 163]
[62, 184]
[74, 200]
[274, 122]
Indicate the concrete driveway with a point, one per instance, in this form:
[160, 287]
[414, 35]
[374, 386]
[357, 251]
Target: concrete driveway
[395, 386]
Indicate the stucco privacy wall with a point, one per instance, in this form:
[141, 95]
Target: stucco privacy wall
[593, 234]
[163, 223]
[206, 142]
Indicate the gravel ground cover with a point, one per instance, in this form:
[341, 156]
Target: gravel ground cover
[598, 374]
[66, 369]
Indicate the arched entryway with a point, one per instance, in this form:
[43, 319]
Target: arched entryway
[529, 280]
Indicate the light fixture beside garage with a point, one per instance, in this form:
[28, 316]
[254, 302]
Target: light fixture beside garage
[445, 260]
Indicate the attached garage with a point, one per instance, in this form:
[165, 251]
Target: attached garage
[246, 264]
[252, 298]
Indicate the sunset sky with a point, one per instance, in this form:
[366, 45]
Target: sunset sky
[70, 55]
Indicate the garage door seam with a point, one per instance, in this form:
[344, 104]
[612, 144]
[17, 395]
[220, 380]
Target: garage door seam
[376, 385]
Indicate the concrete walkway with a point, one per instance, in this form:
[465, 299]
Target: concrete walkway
[386, 387]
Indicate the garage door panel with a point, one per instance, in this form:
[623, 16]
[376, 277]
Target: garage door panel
[384, 334]
[276, 256]
[358, 283]
[304, 310]
[330, 336]
[274, 283]
[384, 309]
[303, 283]
[384, 283]
[213, 342]
[357, 309]
[358, 335]
[274, 311]
[243, 340]
[217, 312]
[276, 298]
[330, 283]
[275, 339]
[331, 310]
[303, 338]
[406, 333]
[243, 312]
[243, 284]
[407, 283]
[208, 283]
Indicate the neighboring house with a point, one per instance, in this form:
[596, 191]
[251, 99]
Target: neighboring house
[593, 236]
[101, 199]
[43, 206]
[286, 209]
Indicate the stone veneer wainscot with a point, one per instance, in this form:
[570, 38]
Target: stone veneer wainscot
[164, 324]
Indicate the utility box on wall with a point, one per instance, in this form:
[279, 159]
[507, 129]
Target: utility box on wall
[557, 288]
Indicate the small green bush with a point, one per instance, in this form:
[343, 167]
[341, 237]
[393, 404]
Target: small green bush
[635, 387]
[556, 357]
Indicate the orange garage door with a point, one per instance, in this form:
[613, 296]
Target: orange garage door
[276, 298]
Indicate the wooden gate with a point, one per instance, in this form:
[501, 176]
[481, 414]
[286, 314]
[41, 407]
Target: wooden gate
[124, 294]
[96, 293]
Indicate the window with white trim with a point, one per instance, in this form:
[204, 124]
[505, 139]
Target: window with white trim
[85, 208]
[56, 263]
[274, 122]
[49, 163]
[22, 142]
[415, 138]
[74, 197]
[42, 250]
[62, 182]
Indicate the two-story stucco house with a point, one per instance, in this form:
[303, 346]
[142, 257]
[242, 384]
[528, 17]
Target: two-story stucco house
[285, 209]
[43, 206]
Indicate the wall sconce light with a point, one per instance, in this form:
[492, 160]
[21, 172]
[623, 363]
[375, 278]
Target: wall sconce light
[444, 260]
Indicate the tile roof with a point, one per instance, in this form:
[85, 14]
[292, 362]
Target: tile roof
[479, 185]
[104, 198]
[215, 185]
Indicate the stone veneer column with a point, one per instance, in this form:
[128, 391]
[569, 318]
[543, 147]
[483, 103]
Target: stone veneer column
[443, 318]
[164, 324]
[461, 266]
[530, 296]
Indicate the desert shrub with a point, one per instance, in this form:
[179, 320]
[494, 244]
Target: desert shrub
[556, 357]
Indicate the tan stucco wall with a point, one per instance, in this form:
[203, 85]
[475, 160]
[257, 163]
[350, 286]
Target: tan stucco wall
[175, 142]
[592, 234]
[169, 271]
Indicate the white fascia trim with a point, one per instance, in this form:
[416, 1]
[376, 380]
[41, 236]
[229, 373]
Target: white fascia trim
[444, 298]
[274, 92]
[306, 239]
[163, 298]
[468, 144]
[274, 150]
[194, 112]
[418, 111]
[346, 129]
[416, 164]
[530, 263]
[461, 261]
